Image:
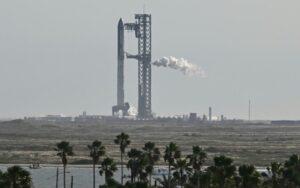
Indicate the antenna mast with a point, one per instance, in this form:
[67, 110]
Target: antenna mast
[249, 110]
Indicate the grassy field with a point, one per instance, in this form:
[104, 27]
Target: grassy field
[255, 144]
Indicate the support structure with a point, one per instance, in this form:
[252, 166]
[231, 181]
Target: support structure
[144, 64]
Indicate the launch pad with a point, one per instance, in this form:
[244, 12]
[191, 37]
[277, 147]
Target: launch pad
[142, 29]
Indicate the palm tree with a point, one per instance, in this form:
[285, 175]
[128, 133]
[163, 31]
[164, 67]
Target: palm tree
[123, 141]
[205, 179]
[144, 168]
[108, 167]
[182, 168]
[134, 163]
[2, 179]
[249, 176]
[276, 170]
[172, 153]
[196, 160]
[64, 149]
[15, 177]
[153, 155]
[167, 183]
[291, 172]
[223, 170]
[97, 150]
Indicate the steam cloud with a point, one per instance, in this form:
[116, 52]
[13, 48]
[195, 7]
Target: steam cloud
[132, 111]
[181, 64]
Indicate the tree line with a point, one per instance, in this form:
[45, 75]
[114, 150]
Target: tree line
[189, 171]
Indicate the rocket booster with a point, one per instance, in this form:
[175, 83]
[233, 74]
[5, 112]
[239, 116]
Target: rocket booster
[120, 78]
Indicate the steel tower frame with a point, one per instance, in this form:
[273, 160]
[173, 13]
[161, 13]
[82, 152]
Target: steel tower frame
[142, 28]
[144, 64]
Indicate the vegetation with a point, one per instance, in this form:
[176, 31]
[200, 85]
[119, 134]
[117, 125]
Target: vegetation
[190, 172]
[15, 177]
[196, 161]
[152, 155]
[97, 150]
[223, 171]
[172, 153]
[123, 141]
[184, 171]
[64, 149]
[108, 167]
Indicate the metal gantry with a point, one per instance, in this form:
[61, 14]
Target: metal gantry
[144, 64]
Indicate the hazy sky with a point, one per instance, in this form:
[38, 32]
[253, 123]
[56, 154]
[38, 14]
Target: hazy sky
[59, 56]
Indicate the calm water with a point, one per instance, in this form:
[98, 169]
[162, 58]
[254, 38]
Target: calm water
[45, 177]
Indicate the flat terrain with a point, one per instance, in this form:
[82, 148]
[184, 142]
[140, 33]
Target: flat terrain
[256, 144]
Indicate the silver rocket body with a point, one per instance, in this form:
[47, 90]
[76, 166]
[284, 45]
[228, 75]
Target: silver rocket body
[121, 105]
[120, 78]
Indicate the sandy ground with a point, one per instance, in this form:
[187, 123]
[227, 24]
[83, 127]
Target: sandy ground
[254, 144]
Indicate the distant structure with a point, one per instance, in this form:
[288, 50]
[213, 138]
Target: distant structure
[204, 118]
[142, 29]
[249, 110]
[222, 117]
[85, 118]
[50, 119]
[193, 117]
[209, 114]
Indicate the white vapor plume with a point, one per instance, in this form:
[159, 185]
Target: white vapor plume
[181, 64]
[132, 111]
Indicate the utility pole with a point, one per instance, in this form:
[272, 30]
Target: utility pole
[56, 177]
[209, 113]
[249, 110]
[71, 181]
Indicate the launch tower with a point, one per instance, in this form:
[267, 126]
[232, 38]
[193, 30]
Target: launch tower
[142, 29]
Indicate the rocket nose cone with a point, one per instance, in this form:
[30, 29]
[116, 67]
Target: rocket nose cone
[120, 24]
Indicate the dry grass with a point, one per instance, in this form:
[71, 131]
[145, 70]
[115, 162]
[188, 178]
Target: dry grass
[255, 144]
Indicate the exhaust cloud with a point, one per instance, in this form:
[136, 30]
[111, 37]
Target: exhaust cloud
[180, 64]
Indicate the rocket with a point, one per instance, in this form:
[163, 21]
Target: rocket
[120, 77]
